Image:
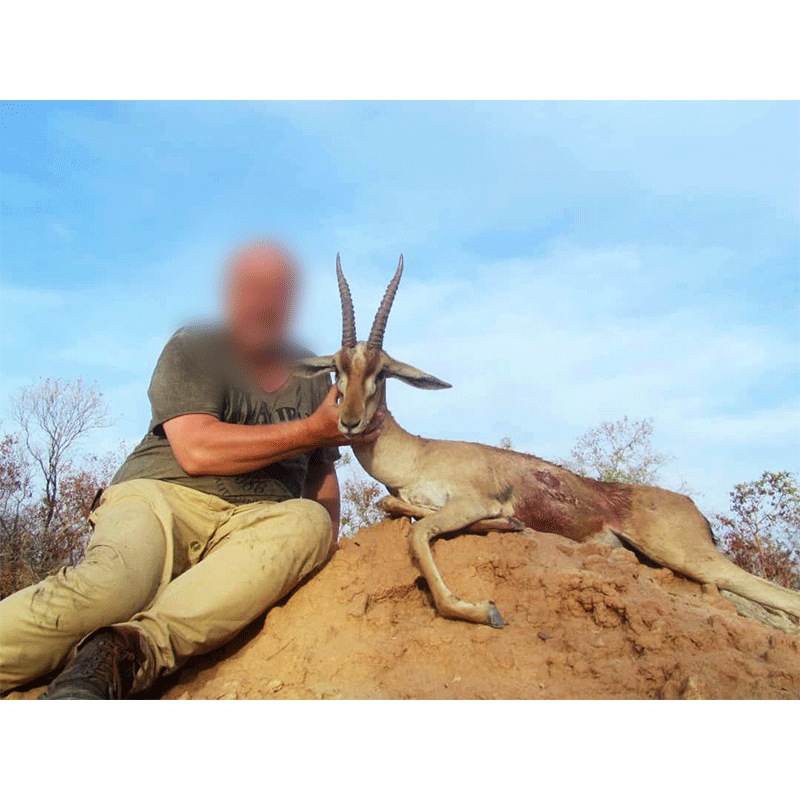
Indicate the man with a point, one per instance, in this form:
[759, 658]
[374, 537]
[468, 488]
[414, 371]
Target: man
[227, 503]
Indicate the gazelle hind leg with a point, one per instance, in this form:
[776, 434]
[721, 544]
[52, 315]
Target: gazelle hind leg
[769, 616]
[690, 551]
[453, 517]
[726, 575]
[668, 528]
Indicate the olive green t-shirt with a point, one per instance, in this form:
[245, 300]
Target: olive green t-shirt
[197, 374]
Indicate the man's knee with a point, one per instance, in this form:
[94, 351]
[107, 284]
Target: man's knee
[120, 574]
[312, 519]
[42, 623]
[103, 589]
[315, 514]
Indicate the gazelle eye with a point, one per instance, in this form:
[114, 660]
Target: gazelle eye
[381, 376]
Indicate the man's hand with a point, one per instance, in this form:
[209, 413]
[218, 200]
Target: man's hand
[204, 445]
[324, 425]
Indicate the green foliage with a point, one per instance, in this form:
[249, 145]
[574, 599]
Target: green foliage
[761, 533]
[618, 451]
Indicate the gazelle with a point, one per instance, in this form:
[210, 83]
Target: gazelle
[461, 486]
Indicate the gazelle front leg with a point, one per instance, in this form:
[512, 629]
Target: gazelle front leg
[395, 507]
[453, 517]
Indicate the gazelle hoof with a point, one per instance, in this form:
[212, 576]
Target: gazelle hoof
[493, 617]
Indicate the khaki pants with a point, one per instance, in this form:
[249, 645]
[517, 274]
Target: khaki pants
[185, 568]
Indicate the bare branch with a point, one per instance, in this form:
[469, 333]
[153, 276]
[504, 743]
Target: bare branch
[53, 416]
[359, 497]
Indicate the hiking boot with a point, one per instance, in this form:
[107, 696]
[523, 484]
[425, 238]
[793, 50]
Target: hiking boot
[103, 669]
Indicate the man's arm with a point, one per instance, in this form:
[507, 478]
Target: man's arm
[322, 485]
[204, 445]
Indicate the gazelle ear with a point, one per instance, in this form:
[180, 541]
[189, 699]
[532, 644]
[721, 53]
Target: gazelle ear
[311, 367]
[415, 377]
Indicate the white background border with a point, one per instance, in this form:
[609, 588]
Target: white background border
[419, 50]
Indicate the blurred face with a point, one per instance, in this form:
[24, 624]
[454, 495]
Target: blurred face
[260, 294]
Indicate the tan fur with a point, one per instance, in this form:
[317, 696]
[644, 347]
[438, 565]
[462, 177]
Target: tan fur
[457, 486]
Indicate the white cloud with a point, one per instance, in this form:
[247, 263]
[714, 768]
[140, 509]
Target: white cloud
[542, 349]
[538, 349]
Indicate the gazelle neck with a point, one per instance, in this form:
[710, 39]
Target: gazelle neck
[391, 458]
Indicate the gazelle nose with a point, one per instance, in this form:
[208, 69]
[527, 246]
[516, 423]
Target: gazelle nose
[349, 426]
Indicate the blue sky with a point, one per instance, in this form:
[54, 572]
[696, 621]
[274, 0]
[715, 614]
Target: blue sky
[566, 263]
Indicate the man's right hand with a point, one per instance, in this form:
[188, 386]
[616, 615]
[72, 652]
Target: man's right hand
[323, 425]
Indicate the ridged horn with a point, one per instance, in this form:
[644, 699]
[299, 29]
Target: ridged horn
[348, 315]
[375, 341]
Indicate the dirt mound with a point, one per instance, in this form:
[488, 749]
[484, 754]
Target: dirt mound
[583, 621]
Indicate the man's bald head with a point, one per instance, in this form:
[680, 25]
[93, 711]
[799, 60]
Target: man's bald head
[261, 284]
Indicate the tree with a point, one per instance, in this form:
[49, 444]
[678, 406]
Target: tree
[762, 531]
[618, 451]
[29, 551]
[53, 416]
[16, 517]
[45, 491]
[16, 482]
[359, 497]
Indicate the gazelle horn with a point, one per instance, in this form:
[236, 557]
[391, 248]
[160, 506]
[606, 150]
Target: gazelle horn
[375, 341]
[348, 315]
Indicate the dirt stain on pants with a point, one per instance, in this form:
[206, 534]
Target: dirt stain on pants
[189, 570]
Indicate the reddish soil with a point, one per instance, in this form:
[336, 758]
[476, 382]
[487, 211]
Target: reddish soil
[583, 621]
